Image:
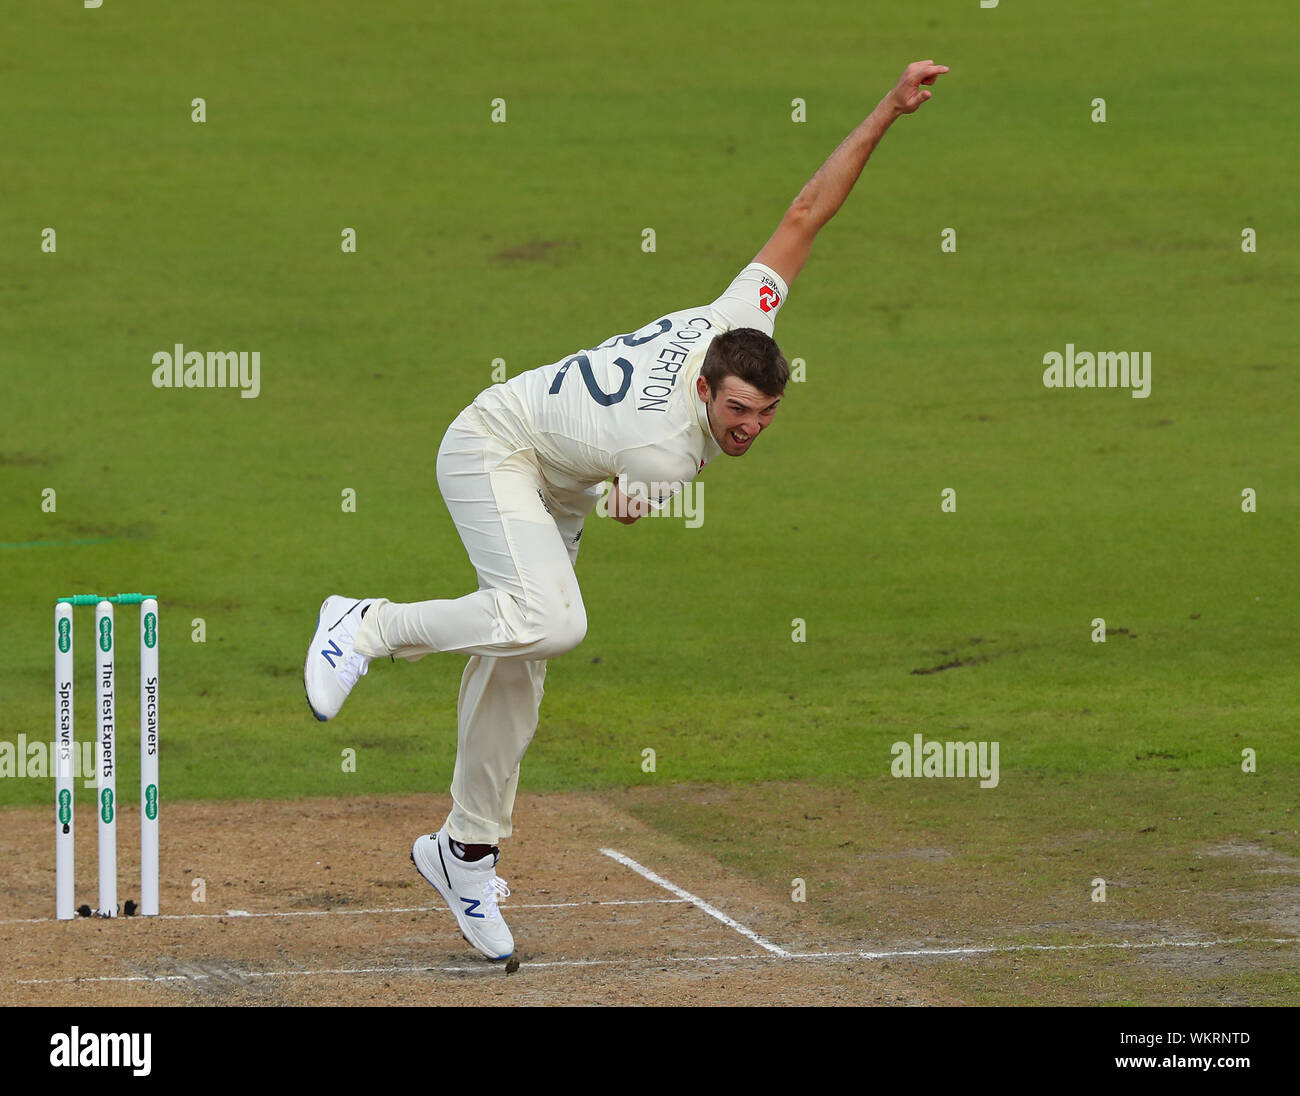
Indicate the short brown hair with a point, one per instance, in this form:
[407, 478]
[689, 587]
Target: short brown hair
[748, 354]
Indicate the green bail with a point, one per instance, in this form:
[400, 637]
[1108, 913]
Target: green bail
[95, 599]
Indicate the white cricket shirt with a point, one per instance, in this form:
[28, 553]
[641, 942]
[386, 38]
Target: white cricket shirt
[628, 407]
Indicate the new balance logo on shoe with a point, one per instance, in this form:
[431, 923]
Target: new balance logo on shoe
[472, 890]
[330, 652]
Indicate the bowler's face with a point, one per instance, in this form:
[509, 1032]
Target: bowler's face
[737, 414]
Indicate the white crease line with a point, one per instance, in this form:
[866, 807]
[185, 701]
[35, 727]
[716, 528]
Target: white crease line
[233, 914]
[996, 949]
[487, 968]
[646, 873]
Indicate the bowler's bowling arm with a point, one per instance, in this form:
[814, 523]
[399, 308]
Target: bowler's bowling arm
[824, 193]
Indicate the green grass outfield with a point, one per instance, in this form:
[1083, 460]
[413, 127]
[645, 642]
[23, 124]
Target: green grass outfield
[923, 373]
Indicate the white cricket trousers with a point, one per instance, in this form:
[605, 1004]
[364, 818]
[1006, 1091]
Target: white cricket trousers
[528, 608]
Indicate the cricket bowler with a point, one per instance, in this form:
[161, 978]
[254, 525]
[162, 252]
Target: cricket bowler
[521, 468]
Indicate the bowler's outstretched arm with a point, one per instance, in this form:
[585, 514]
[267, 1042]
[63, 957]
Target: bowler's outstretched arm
[824, 193]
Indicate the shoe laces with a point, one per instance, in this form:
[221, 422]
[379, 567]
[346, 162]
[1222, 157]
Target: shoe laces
[352, 668]
[493, 890]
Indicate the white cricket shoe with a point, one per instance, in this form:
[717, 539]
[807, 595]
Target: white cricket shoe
[333, 667]
[472, 890]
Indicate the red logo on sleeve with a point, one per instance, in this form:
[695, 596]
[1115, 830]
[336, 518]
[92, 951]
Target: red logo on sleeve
[768, 298]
